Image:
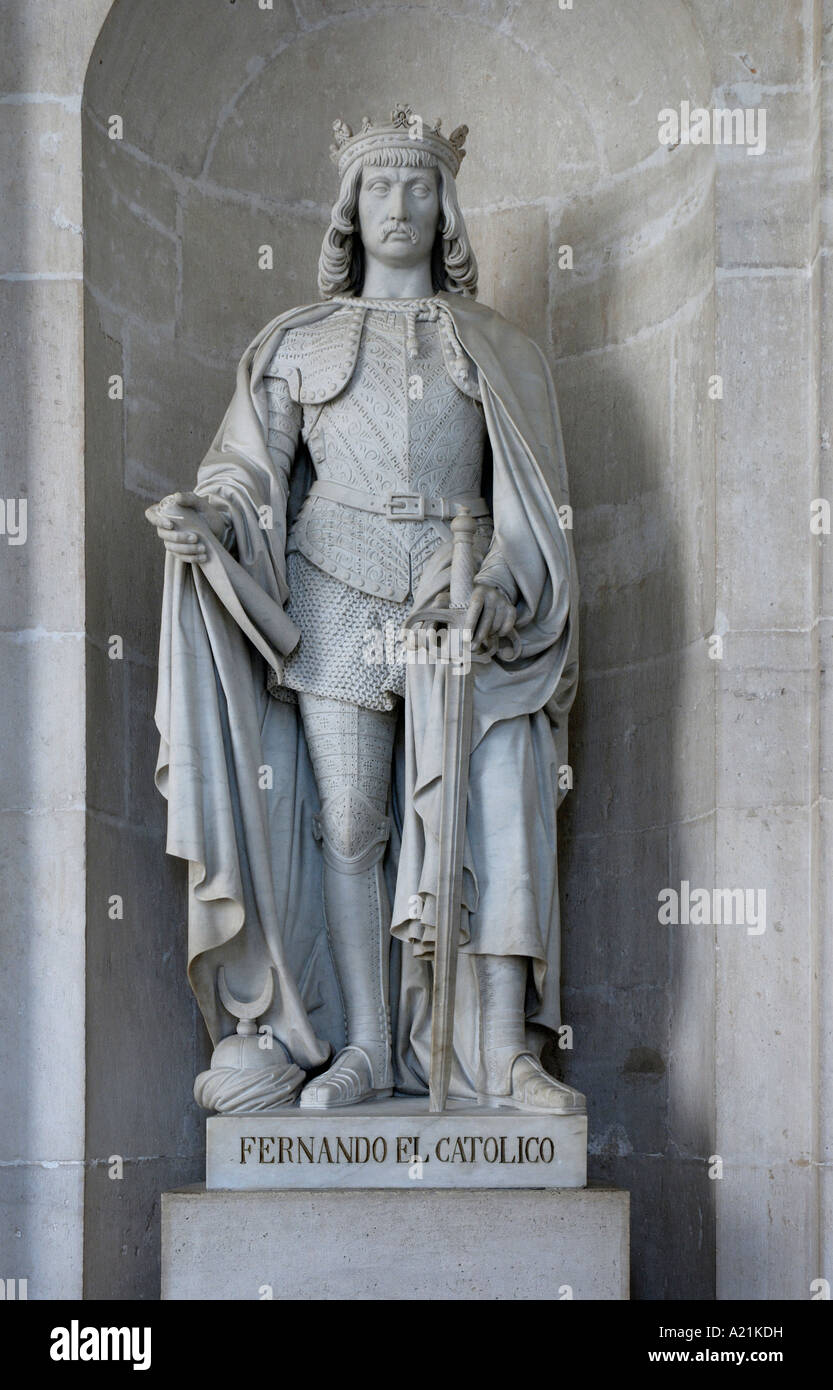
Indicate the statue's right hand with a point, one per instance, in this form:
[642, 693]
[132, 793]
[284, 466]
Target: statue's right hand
[172, 524]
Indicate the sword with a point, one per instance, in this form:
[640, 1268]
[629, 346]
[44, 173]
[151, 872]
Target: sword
[453, 798]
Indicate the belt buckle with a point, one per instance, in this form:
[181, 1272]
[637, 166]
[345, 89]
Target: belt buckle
[405, 506]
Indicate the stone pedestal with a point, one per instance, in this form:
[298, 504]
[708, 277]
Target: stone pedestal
[393, 1245]
[491, 1204]
[396, 1143]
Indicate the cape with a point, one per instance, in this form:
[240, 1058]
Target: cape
[233, 763]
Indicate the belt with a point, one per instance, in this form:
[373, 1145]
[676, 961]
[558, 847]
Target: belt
[400, 506]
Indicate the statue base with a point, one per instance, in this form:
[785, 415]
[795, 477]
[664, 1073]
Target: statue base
[384, 1246]
[395, 1143]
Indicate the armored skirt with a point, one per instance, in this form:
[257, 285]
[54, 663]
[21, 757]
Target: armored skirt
[349, 648]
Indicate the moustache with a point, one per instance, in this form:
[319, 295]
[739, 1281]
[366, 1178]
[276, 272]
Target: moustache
[393, 226]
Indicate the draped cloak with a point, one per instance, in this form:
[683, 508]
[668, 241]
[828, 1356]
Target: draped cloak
[234, 767]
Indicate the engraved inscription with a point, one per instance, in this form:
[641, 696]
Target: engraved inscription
[469, 1149]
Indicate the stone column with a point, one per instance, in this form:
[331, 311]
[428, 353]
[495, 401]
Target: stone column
[825, 650]
[769, 988]
[45, 50]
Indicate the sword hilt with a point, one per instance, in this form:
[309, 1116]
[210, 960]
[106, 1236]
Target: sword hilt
[463, 530]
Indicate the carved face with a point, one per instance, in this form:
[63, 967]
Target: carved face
[398, 213]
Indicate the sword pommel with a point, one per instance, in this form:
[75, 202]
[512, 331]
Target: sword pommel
[463, 530]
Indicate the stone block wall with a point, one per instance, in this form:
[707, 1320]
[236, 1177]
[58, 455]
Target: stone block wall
[691, 519]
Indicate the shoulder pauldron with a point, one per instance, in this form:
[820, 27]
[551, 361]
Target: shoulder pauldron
[317, 360]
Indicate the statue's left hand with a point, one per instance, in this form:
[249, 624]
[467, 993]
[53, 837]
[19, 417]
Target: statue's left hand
[490, 614]
[170, 517]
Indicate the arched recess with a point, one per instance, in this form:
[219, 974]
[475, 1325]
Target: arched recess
[226, 111]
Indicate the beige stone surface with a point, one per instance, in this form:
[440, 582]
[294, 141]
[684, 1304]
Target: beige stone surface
[765, 464]
[767, 43]
[42, 1233]
[432, 1246]
[454, 70]
[785, 1264]
[514, 263]
[767, 206]
[41, 383]
[42, 984]
[768, 1022]
[40, 144]
[629, 289]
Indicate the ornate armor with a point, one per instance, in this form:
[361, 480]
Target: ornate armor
[388, 406]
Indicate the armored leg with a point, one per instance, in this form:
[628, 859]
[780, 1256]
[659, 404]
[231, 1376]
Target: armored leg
[509, 1074]
[351, 750]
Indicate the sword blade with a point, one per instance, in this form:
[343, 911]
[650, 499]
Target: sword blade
[454, 795]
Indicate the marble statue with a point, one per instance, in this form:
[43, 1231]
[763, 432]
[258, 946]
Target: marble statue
[302, 741]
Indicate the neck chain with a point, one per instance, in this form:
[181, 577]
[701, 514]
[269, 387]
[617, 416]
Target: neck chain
[413, 309]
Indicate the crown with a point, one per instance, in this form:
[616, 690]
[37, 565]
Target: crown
[406, 130]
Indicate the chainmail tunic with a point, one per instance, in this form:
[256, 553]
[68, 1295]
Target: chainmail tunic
[401, 423]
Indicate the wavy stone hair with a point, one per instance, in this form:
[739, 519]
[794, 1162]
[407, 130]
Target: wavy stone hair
[341, 263]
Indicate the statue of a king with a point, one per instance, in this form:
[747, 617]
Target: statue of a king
[301, 750]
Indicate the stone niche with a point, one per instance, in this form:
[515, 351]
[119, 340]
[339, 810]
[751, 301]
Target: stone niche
[226, 113]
